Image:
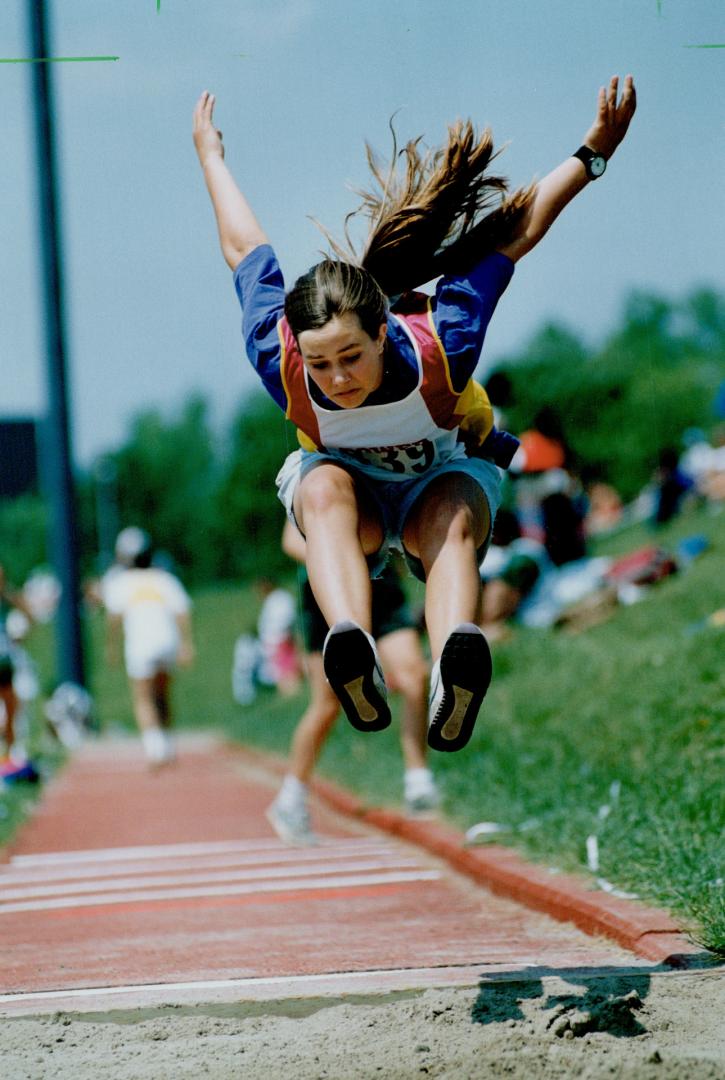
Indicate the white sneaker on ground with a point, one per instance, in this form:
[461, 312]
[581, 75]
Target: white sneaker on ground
[353, 670]
[420, 791]
[291, 822]
[158, 746]
[458, 685]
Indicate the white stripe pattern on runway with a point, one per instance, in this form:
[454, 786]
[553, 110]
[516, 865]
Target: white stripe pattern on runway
[172, 872]
[148, 881]
[13, 874]
[156, 851]
[146, 895]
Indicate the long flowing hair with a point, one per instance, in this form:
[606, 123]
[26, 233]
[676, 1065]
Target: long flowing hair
[432, 212]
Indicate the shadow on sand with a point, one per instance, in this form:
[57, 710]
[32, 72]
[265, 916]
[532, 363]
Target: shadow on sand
[584, 999]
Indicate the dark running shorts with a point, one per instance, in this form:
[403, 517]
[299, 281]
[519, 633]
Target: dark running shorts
[6, 670]
[391, 611]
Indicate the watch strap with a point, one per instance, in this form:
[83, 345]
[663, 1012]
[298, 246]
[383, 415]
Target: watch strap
[586, 156]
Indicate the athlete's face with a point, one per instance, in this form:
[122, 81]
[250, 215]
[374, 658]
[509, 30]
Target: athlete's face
[343, 360]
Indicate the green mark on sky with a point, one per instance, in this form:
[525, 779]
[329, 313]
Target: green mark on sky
[56, 59]
[704, 46]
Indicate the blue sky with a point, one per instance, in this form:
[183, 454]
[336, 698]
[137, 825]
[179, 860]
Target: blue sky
[301, 84]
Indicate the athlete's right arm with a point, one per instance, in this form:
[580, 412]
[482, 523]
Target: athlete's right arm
[239, 230]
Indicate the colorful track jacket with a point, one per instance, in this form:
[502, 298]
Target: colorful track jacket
[412, 421]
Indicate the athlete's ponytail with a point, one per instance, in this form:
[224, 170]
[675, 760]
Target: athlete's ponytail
[434, 214]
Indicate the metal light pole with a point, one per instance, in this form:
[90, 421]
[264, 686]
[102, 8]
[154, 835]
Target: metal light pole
[64, 533]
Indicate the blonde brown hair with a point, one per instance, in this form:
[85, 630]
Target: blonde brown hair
[433, 212]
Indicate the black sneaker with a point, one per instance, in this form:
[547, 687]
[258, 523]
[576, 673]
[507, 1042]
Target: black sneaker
[458, 685]
[353, 670]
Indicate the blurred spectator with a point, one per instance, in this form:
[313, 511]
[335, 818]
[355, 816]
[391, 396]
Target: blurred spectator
[509, 572]
[271, 658]
[605, 510]
[69, 712]
[499, 388]
[549, 501]
[671, 485]
[41, 593]
[279, 660]
[153, 609]
[704, 461]
[15, 619]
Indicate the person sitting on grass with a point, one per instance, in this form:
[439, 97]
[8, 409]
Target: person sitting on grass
[375, 376]
[406, 670]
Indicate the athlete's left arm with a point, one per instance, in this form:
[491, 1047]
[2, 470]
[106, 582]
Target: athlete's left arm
[462, 310]
[561, 185]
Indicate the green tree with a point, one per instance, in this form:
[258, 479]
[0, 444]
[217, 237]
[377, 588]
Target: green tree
[23, 535]
[166, 477]
[621, 404]
[249, 513]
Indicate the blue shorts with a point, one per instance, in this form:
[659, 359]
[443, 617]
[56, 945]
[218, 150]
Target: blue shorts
[394, 499]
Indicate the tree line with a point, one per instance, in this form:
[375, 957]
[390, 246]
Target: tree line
[209, 500]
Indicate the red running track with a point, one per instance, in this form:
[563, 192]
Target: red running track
[148, 886]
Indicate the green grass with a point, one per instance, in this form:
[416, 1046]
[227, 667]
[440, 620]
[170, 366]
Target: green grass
[638, 700]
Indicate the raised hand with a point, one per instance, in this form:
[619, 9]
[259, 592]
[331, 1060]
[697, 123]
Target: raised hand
[613, 117]
[207, 140]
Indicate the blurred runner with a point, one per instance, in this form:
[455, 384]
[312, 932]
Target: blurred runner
[153, 609]
[406, 671]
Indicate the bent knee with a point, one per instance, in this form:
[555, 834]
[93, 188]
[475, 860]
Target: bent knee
[324, 487]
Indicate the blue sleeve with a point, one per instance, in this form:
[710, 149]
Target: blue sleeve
[464, 305]
[260, 287]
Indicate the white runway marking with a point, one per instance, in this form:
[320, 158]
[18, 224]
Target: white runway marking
[282, 855]
[285, 873]
[145, 896]
[213, 847]
[295, 983]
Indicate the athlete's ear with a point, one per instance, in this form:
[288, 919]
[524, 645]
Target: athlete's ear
[380, 339]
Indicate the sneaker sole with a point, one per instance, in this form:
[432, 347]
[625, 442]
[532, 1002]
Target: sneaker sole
[349, 662]
[465, 672]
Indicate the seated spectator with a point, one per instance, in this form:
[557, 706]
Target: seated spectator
[512, 566]
[279, 665]
[671, 485]
[704, 461]
[604, 508]
[548, 497]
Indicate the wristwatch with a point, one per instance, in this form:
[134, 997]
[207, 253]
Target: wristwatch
[594, 163]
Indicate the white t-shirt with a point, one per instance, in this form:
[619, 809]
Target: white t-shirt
[149, 602]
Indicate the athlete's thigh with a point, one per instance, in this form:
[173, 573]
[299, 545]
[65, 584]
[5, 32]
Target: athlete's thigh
[370, 528]
[440, 502]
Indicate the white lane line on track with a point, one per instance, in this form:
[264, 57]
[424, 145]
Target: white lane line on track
[299, 885]
[298, 982]
[149, 881]
[155, 851]
[282, 855]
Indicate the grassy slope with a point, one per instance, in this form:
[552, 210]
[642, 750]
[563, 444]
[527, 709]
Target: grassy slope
[638, 700]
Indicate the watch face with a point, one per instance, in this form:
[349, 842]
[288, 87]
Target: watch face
[597, 165]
